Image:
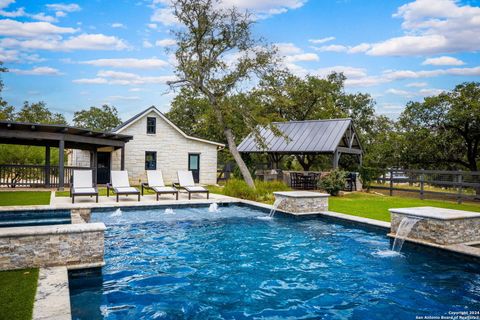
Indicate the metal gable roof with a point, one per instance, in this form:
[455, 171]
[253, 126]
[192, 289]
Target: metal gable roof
[319, 136]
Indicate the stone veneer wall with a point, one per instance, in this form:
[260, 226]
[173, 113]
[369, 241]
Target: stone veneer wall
[56, 245]
[302, 205]
[442, 232]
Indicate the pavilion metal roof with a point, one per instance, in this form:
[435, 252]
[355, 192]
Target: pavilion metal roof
[311, 136]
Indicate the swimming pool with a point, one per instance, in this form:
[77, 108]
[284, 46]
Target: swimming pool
[236, 264]
[34, 218]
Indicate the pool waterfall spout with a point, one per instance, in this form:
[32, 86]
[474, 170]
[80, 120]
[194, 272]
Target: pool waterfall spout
[275, 206]
[403, 231]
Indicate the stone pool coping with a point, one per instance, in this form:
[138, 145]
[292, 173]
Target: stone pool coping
[52, 299]
[51, 229]
[436, 213]
[301, 194]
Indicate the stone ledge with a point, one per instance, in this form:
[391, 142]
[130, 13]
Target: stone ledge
[52, 300]
[436, 213]
[51, 230]
[301, 194]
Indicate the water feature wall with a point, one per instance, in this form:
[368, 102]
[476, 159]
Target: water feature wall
[78, 244]
[301, 202]
[437, 225]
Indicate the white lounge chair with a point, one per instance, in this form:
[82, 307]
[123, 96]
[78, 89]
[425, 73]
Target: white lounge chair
[156, 183]
[82, 185]
[185, 180]
[120, 185]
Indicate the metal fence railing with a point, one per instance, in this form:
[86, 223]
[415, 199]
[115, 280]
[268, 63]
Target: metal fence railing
[12, 175]
[462, 185]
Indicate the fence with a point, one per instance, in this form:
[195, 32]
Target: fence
[12, 175]
[459, 184]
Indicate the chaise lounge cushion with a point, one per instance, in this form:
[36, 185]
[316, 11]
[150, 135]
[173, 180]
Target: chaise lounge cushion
[196, 188]
[164, 189]
[126, 190]
[84, 191]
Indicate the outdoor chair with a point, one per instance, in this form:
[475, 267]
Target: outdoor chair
[82, 185]
[120, 185]
[185, 181]
[155, 183]
[351, 182]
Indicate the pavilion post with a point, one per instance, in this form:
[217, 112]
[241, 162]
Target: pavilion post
[47, 166]
[94, 165]
[122, 158]
[61, 165]
[336, 156]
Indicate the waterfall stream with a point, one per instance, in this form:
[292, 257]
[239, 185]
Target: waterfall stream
[275, 207]
[403, 231]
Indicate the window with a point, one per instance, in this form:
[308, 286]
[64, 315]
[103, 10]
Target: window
[151, 125]
[150, 160]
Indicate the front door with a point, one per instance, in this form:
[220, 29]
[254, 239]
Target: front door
[194, 166]
[103, 167]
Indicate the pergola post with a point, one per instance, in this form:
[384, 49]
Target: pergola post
[61, 165]
[94, 165]
[47, 166]
[122, 158]
[336, 157]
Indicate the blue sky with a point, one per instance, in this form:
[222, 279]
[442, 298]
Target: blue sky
[74, 55]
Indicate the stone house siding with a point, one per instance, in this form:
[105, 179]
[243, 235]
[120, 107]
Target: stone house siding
[78, 158]
[172, 152]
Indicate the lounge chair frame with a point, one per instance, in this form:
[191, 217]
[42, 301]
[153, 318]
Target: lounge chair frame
[189, 188]
[118, 192]
[81, 194]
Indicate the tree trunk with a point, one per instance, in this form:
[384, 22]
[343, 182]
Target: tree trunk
[304, 162]
[238, 158]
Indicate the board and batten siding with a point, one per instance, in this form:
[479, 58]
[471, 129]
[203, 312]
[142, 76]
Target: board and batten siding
[172, 152]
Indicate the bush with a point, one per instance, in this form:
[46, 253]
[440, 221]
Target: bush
[368, 175]
[333, 182]
[263, 192]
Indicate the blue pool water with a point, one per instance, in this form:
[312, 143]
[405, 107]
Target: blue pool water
[34, 218]
[236, 264]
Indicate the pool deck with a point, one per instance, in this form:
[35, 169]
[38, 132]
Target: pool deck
[52, 300]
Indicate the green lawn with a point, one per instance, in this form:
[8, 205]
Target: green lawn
[376, 206]
[17, 293]
[24, 198]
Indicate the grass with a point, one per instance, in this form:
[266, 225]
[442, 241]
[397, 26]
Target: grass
[17, 293]
[263, 191]
[24, 198]
[376, 207]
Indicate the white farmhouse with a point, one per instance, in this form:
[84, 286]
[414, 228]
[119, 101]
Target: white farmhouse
[157, 144]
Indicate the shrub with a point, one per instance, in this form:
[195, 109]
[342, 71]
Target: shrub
[368, 175]
[263, 192]
[334, 182]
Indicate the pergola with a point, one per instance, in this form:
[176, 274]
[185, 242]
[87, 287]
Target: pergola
[311, 137]
[62, 137]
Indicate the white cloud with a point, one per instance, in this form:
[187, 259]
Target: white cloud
[42, 17]
[349, 72]
[400, 92]
[8, 55]
[410, 74]
[265, 8]
[164, 16]
[416, 84]
[5, 3]
[285, 49]
[430, 92]
[123, 98]
[165, 42]
[321, 40]
[94, 42]
[433, 27]
[147, 44]
[363, 47]
[14, 28]
[332, 48]
[124, 78]
[152, 25]
[67, 7]
[443, 61]
[117, 25]
[301, 57]
[126, 63]
[392, 106]
[38, 71]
